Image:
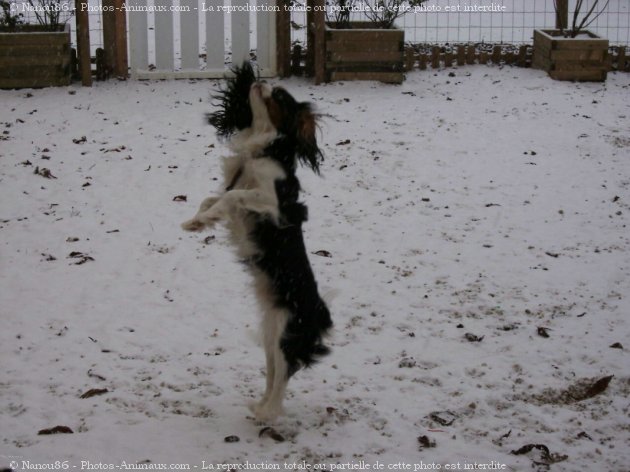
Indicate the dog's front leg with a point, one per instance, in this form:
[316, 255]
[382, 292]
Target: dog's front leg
[197, 223]
[207, 203]
[212, 210]
[256, 200]
[230, 203]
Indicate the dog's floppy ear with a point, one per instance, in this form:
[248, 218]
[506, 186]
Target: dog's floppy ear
[233, 101]
[307, 150]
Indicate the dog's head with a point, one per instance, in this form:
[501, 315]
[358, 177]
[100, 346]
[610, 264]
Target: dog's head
[246, 102]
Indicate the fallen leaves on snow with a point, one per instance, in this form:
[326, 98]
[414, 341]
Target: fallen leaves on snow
[269, 432]
[46, 173]
[425, 442]
[582, 389]
[80, 257]
[96, 376]
[94, 392]
[545, 456]
[473, 338]
[443, 418]
[56, 430]
[598, 387]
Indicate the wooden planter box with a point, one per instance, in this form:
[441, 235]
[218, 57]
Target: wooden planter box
[34, 57]
[584, 58]
[364, 52]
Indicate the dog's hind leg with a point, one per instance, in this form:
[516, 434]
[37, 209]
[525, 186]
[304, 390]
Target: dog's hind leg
[273, 406]
[270, 369]
[270, 406]
[256, 407]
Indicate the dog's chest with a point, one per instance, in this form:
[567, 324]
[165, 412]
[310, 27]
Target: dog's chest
[246, 173]
[239, 173]
[258, 176]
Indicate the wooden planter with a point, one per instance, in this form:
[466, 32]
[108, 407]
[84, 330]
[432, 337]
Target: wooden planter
[364, 52]
[584, 58]
[34, 57]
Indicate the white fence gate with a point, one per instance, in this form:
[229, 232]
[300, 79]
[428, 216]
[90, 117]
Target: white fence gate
[196, 38]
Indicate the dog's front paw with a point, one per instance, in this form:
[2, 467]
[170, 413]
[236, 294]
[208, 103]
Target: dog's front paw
[193, 225]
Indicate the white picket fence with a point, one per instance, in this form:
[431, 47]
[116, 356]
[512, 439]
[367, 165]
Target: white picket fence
[199, 39]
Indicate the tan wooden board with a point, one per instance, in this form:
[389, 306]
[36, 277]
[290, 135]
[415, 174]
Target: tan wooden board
[337, 45]
[15, 61]
[33, 82]
[578, 54]
[580, 65]
[28, 39]
[586, 76]
[345, 57]
[33, 50]
[42, 73]
[387, 77]
[364, 35]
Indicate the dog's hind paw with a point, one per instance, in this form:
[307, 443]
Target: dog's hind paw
[264, 413]
[193, 225]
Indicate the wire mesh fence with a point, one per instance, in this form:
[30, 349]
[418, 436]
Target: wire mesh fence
[482, 21]
[507, 21]
[434, 22]
[32, 12]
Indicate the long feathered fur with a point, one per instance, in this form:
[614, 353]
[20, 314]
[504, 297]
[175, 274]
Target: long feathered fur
[234, 113]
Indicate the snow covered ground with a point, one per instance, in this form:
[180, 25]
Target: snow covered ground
[476, 223]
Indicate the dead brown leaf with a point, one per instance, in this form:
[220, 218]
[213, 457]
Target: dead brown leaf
[94, 392]
[598, 387]
[425, 442]
[56, 430]
[269, 432]
[44, 173]
[546, 457]
[473, 338]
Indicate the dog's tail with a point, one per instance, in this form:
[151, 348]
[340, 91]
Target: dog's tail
[303, 339]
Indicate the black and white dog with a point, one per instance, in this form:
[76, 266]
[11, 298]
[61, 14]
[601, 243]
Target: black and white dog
[269, 133]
